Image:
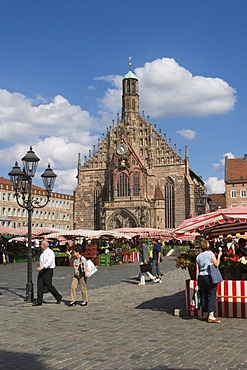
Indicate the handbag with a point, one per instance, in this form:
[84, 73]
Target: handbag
[91, 268]
[146, 267]
[196, 299]
[215, 274]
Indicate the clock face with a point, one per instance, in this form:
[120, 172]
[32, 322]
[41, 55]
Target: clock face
[122, 149]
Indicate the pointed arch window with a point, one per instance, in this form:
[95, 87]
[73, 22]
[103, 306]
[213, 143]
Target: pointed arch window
[123, 189]
[169, 204]
[133, 104]
[97, 193]
[136, 183]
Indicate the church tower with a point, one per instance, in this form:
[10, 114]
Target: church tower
[134, 177]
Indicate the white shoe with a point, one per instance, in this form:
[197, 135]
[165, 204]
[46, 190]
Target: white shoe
[157, 280]
[141, 283]
[160, 281]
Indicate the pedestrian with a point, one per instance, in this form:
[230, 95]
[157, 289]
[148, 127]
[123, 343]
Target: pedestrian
[45, 269]
[241, 248]
[144, 258]
[156, 261]
[80, 277]
[208, 289]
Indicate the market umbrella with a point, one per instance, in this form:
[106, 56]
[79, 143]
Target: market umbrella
[221, 222]
[145, 232]
[83, 233]
[36, 231]
[187, 236]
[88, 234]
[6, 230]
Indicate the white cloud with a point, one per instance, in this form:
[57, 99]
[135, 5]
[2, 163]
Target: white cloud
[19, 117]
[66, 180]
[167, 89]
[221, 164]
[187, 134]
[215, 185]
[59, 130]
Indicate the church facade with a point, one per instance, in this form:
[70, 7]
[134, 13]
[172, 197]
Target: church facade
[135, 178]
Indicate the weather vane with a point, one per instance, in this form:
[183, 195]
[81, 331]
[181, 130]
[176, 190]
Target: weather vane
[130, 63]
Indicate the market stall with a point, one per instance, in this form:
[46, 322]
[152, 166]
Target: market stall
[232, 298]
[91, 250]
[232, 292]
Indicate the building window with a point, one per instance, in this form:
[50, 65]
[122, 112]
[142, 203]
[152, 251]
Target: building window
[169, 204]
[233, 193]
[243, 193]
[123, 189]
[136, 190]
[97, 193]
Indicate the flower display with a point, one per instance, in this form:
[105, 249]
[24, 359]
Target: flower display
[186, 259]
[234, 262]
[231, 267]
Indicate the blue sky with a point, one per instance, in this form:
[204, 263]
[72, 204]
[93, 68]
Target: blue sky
[61, 65]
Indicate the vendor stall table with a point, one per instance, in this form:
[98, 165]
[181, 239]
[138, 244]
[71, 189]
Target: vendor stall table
[232, 298]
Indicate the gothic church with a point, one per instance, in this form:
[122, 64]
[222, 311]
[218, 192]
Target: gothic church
[134, 178]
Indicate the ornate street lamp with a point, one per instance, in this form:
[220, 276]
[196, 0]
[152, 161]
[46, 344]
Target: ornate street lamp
[212, 206]
[22, 185]
[201, 204]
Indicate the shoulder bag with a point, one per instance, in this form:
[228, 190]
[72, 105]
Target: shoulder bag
[215, 274]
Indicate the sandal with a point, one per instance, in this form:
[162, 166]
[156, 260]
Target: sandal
[214, 321]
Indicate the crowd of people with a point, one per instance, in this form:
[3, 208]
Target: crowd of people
[149, 266]
[210, 255]
[230, 246]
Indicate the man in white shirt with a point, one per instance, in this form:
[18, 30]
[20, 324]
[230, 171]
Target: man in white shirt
[46, 266]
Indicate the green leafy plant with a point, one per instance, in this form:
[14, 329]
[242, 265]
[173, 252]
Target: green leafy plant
[186, 259]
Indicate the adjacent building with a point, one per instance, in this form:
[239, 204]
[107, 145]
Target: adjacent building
[236, 181]
[58, 213]
[134, 176]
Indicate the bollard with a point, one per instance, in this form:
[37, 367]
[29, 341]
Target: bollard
[178, 312]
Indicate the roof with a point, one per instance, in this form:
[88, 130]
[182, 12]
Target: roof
[218, 199]
[130, 74]
[236, 170]
[8, 182]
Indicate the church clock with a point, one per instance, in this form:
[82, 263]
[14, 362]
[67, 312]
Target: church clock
[122, 149]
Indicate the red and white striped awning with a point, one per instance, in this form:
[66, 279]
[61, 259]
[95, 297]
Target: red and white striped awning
[221, 222]
[145, 232]
[89, 234]
[36, 231]
[6, 230]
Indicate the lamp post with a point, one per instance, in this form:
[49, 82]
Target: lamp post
[212, 206]
[22, 185]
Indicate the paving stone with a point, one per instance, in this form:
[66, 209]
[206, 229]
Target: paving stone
[125, 326]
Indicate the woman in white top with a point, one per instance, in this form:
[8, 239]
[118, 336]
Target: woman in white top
[79, 278]
[208, 289]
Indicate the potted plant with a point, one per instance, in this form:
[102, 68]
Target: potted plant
[187, 260]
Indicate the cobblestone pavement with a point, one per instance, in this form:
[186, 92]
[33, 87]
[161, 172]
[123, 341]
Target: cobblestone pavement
[125, 326]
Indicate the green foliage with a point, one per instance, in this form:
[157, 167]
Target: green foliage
[187, 259]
